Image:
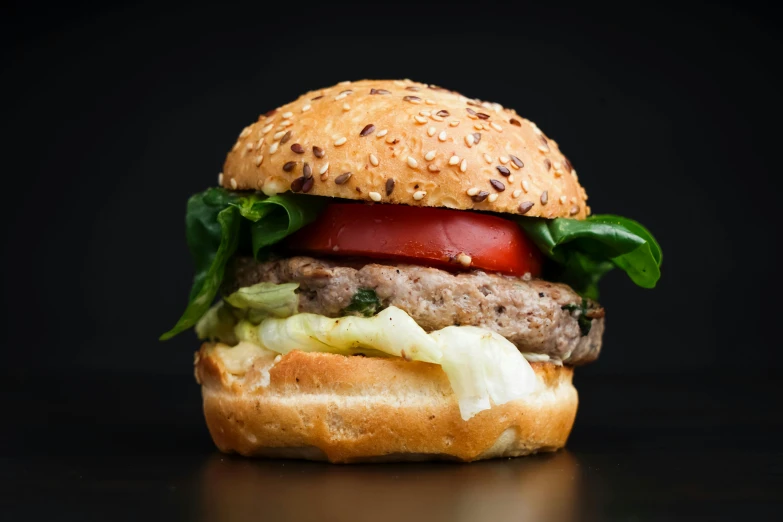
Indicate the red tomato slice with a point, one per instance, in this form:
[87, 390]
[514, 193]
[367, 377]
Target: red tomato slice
[438, 237]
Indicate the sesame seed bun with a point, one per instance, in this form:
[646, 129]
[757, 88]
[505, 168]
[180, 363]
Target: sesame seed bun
[410, 143]
[322, 406]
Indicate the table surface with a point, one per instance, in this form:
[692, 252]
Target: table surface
[647, 447]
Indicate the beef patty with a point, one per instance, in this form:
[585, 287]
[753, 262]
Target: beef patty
[537, 316]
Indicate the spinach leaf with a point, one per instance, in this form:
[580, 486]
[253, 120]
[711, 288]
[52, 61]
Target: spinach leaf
[213, 225]
[365, 301]
[585, 250]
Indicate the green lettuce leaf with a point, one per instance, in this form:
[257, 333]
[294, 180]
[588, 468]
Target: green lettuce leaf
[215, 221]
[585, 250]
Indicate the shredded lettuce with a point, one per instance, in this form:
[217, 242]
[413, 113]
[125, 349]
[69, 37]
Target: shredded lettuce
[482, 366]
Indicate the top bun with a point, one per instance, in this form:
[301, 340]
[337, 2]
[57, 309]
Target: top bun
[406, 142]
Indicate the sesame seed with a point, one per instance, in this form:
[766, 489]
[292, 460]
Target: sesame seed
[503, 170]
[420, 119]
[259, 159]
[547, 164]
[503, 159]
[346, 92]
[412, 163]
[220, 178]
[249, 145]
[391, 139]
[514, 121]
[289, 166]
[340, 141]
[374, 160]
[443, 113]
[318, 152]
[324, 168]
[476, 137]
[324, 176]
[431, 131]
[345, 82]
[472, 191]
[379, 91]
[496, 126]
[430, 155]
[346, 107]
[471, 112]
[433, 168]
[525, 186]
[557, 165]
[568, 165]
[436, 117]
[558, 173]
[246, 132]
[233, 183]
[340, 96]
[412, 88]
[574, 210]
[482, 115]
[536, 129]
[260, 143]
[307, 185]
[367, 129]
[487, 158]
[307, 171]
[419, 195]
[297, 148]
[267, 128]
[286, 123]
[286, 137]
[273, 147]
[492, 198]
[306, 108]
[389, 186]
[382, 133]
[342, 178]
[454, 123]
[429, 102]
[563, 200]
[317, 97]
[464, 259]
[375, 196]
[454, 160]
[442, 136]
[497, 185]
[544, 197]
[286, 115]
[543, 147]
[525, 207]
[478, 126]
[516, 193]
[480, 196]
[517, 162]
[511, 178]
[297, 184]
[469, 140]
[412, 99]
[463, 166]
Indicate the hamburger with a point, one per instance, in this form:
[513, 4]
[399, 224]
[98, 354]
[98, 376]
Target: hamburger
[390, 270]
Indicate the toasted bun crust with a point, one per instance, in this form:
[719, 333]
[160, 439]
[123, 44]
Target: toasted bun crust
[406, 142]
[320, 406]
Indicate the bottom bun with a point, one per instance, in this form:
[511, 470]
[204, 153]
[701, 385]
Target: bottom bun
[320, 406]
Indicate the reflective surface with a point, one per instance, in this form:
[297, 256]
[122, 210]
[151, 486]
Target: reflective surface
[644, 448]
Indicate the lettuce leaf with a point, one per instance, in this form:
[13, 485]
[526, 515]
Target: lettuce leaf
[585, 250]
[216, 223]
[482, 366]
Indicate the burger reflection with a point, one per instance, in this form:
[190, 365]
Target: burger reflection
[542, 487]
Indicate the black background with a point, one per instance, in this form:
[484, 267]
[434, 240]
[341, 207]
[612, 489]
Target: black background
[114, 114]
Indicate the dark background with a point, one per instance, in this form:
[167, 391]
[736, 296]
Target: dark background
[114, 114]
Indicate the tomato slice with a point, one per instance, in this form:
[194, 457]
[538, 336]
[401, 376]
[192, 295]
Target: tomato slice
[438, 237]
